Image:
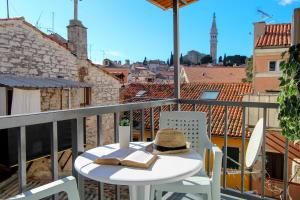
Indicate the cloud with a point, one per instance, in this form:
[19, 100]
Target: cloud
[286, 2]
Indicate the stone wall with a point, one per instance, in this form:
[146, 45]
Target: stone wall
[26, 51]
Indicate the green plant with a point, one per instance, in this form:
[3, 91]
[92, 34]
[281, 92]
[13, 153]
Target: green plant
[124, 122]
[289, 98]
[249, 70]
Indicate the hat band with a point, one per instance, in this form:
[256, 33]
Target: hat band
[162, 148]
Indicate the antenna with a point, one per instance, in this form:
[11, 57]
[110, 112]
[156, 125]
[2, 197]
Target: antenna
[38, 20]
[90, 50]
[53, 15]
[7, 8]
[263, 14]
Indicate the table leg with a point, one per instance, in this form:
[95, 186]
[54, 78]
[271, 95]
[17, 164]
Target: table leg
[138, 192]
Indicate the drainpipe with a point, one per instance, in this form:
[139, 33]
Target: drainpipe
[176, 51]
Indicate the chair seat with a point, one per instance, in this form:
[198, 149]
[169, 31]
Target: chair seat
[192, 185]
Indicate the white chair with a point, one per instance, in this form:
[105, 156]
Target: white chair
[67, 185]
[193, 124]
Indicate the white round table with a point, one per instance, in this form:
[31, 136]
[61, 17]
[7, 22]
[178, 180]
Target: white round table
[166, 169]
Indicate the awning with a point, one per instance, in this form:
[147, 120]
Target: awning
[39, 82]
[167, 4]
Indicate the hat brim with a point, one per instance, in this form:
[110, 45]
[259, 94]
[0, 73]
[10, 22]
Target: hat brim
[181, 151]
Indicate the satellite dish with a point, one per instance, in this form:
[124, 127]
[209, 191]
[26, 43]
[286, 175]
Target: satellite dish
[254, 145]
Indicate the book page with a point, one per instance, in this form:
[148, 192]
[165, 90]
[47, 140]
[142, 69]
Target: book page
[115, 157]
[139, 158]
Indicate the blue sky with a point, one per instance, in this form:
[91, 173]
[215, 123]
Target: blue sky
[133, 29]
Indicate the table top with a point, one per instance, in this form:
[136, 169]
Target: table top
[166, 169]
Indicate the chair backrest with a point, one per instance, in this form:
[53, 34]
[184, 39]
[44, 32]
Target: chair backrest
[192, 124]
[67, 185]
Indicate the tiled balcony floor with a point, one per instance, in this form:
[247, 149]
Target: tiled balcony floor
[10, 188]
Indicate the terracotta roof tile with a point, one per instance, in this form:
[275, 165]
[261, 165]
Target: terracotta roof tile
[228, 92]
[276, 35]
[215, 74]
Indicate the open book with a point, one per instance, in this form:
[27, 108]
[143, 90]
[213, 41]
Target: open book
[129, 157]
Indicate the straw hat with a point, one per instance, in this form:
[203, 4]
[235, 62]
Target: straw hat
[169, 141]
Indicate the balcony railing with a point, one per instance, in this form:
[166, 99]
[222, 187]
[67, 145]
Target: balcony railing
[78, 117]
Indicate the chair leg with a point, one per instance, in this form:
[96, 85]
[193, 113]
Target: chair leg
[209, 196]
[158, 195]
[152, 193]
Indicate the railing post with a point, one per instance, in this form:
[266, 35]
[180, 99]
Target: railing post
[54, 152]
[243, 148]
[142, 124]
[209, 136]
[131, 124]
[22, 159]
[263, 152]
[285, 170]
[116, 125]
[99, 143]
[225, 147]
[100, 135]
[77, 149]
[152, 122]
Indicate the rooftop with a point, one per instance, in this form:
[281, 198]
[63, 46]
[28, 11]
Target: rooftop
[227, 92]
[276, 35]
[215, 74]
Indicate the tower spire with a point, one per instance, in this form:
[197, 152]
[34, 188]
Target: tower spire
[213, 40]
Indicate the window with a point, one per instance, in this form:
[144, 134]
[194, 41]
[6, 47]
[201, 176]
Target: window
[88, 96]
[210, 95]
[85, 96]
[272, 66]
[233, 157]
[274, 165]
[141, 93]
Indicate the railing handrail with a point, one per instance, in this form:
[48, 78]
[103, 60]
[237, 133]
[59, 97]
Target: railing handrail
[230, 103]
[12, 121]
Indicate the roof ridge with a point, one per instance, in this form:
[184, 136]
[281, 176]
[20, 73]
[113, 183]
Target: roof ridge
[23, 20]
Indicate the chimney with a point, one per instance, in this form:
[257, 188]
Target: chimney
[296, 27]
[77, 35]
[259, 30]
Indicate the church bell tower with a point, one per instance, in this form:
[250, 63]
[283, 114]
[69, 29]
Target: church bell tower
[213, 40]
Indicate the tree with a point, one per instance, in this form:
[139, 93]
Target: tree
[145, 62]
[220, 59]
[235, 60]
[168, 62]
[289, 98]
[171, 59]
[181, 59]
[249, 71]
[206, 59]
